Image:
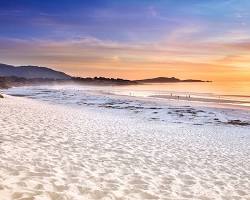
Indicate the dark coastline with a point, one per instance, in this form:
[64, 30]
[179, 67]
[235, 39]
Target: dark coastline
[16, 76]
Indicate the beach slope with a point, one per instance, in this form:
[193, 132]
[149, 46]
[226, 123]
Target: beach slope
[57, 152]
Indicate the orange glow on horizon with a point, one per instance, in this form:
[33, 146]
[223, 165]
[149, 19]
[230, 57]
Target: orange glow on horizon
[221, 61]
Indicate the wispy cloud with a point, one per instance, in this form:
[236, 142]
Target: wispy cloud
[116, 38]
[90, 56]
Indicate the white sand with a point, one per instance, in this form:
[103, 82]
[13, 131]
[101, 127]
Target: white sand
[58, 152]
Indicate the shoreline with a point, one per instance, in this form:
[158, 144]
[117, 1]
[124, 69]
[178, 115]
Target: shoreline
[212, 99]
[184, 102]
[217, 102]
[150, 108]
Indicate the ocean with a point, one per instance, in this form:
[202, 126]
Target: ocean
[236, 94]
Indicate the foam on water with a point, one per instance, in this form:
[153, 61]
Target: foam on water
[161, 109]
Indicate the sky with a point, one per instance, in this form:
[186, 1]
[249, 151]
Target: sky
[133, 39]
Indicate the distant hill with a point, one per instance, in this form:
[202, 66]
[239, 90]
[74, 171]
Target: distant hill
[103, 81]
[31, 72]
[33, 75]
[166, 80]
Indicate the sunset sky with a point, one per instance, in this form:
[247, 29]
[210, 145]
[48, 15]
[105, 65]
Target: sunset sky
[199, 39]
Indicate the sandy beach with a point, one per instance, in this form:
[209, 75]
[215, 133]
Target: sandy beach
[125, 100]
[60, 152]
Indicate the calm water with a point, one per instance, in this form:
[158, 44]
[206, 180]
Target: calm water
[214, 88]
[237, 93]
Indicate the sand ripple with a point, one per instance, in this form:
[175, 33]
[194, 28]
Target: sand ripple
[58, 152]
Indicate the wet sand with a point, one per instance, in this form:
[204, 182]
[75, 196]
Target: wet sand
[200, 99]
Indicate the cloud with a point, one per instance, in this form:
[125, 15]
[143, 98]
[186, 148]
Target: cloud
[90, 56]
